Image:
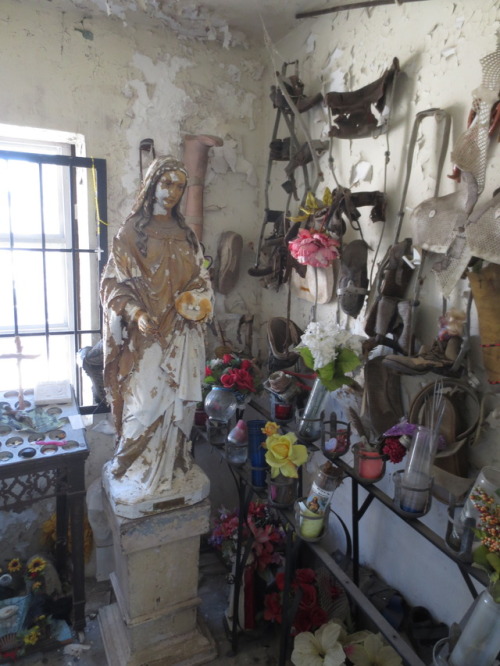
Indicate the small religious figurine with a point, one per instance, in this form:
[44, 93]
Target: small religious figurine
[156, 296]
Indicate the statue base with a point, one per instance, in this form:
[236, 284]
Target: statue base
[127, 501]
[154, 621]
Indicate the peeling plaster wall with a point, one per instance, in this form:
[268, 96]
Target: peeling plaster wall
[439, 45]
[117, 83]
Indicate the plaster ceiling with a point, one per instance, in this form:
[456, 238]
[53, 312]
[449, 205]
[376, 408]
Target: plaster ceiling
[230, 21]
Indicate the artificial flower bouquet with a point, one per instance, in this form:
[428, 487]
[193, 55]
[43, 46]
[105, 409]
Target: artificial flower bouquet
[233, 372]
[331, 352]
[314, 247]
[261, 525]
[267, 538]
[283, 455]
[487, 554]
[304, 589]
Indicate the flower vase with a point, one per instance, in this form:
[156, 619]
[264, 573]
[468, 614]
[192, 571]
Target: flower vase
[282, 490]
[221, 404]
[369, 465]
[310, 418]
[479, 642]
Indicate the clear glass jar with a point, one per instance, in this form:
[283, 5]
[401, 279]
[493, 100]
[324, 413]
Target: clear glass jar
[221, 404]
[479, 642]
[327, 480]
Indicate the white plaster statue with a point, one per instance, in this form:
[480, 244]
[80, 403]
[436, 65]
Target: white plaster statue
[156, 297]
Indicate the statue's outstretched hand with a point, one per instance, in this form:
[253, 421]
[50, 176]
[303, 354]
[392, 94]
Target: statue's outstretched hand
[147, 325]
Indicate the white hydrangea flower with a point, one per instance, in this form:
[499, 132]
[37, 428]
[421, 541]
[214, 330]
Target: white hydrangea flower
[324, 339]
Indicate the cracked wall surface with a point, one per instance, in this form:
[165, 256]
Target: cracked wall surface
[439, 47]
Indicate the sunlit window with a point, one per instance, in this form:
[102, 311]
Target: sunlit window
[52, 249]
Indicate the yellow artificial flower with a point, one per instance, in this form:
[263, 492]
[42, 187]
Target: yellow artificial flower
[284, 456]
[14, 565]
[37, 565]
[327, 197]
[271, 428]
[36, 585]
[32, 636]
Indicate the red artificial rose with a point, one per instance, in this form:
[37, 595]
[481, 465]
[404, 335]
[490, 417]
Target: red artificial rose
[302, 621]
[318, 617]
[208, 371]
[244, 380]
[272, 607]
[227, 359]
[394, 449]
[309, 597]
[307, 576]
[246, 364]
[228, 379]
[280, 580]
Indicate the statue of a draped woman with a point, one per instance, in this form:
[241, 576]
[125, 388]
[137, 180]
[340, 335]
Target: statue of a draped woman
[156, 297]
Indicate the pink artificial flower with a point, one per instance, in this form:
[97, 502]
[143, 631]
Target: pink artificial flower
[246, 364]
[227, 359]
[208, 371]
[314, 248]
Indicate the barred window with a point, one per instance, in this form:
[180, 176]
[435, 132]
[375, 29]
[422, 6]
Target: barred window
[53, 245]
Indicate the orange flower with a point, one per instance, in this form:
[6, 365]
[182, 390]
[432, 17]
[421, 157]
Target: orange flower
[271, 428]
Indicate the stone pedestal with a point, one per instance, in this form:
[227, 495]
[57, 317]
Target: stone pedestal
[154, 621]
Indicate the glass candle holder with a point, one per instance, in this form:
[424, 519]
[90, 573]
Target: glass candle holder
[217, 432]
[412, 495]
[459, 534]
[282, 490]
[335, 437]
[368, 465]
[281, 411]
[310, 524]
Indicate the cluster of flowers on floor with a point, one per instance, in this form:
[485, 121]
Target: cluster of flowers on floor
[315, 611]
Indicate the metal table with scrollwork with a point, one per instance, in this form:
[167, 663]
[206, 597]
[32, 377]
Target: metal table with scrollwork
[39, 465]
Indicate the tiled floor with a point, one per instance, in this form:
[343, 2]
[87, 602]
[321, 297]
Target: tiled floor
[213, 590]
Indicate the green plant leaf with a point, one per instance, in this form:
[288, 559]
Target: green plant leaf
[480, 556]
[307, 357]
[494, 561]
[347, 361]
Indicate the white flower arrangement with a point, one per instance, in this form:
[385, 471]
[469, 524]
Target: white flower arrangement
[331, 352]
